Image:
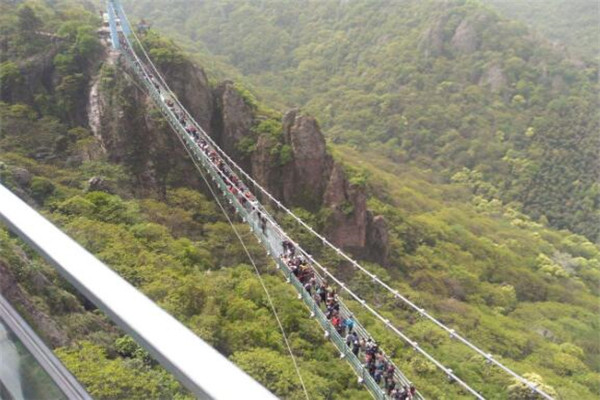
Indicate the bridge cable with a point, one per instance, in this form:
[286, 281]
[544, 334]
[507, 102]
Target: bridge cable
[241, 240]
[448, 371]
[452, 332]
[421, 311]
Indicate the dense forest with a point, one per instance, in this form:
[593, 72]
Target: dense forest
[475, 141]
[176, 247]
[571, 25]
[449, 86]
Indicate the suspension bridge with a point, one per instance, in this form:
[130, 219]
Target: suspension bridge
[230, 185]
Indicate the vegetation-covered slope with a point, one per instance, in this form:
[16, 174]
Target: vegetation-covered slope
[175, 247]
[444, 85]
[569, 23]
[525, 291]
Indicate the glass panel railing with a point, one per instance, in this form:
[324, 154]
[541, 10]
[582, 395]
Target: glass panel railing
[271, 238]
[21, 376]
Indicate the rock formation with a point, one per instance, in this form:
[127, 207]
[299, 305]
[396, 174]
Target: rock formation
[310, 167]
[465, 37]
[133, 134]
[232, 120]
[309, 178]
[12, 291]
[494, 77]
[193, 90]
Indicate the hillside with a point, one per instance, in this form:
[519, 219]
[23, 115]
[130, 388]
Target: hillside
[518, 287]
[569, 24]
[450, 86]
[103, 182]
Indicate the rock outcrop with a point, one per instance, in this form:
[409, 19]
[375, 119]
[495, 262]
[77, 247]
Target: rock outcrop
[350, 224]
[312, 180]
[432, 40]
[308, 177]
[10, 289]
[494, 77]
[99, 184]
[21, 176]
[133, 135]
[377, 247]
[232, 120]
[443, 37]
[193, 90]
[310, 166]
[35, 72]
[348, 220]
[465, 37]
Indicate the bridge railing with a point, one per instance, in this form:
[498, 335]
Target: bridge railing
[204, 371]
[271, 239]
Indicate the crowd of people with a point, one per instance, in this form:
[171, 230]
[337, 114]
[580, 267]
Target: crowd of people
[234, 185]
[323, 293]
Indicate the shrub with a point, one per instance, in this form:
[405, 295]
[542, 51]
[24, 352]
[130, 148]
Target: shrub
[286, 154]
[41, 189]
[247, 145]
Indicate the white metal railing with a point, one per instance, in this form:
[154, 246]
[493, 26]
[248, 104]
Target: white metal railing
[205, 372]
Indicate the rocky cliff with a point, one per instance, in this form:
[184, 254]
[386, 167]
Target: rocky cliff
[232, 120]
[310, 178]
[134, 135]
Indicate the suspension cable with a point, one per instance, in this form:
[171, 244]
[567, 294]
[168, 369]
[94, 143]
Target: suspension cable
[452, 332]
[421, 311]
[448, 371]
[414, 344]
[257, 271]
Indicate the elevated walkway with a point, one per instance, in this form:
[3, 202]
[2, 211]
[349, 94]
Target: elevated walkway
[251, 211]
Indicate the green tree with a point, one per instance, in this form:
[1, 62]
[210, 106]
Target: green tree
[520, 391]
[10, 78]
[28, 21]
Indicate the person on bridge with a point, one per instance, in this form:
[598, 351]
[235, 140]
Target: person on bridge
[349, 339]
[288, 248]
[355, 344]
[349, 324]
[398, 394]
[263, 224]
[390, 386]
[379, 367]
[294, 269]
[335, 321]
[323, 292]
[388, 378]
[308, 288]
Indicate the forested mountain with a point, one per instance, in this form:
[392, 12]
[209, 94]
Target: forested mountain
[80, 141]
[450, 86]
[75, 143]
[570, 24]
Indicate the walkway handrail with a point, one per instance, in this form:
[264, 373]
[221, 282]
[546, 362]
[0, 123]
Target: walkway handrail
[203, 370]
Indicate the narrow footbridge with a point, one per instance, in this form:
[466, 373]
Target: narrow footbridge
[233, 184]
[230, 184]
